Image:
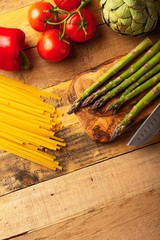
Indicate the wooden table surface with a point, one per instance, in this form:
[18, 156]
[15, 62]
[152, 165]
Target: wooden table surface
[105, 191]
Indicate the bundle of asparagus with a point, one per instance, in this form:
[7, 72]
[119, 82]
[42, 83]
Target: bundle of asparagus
[130, 75]
[151, 63]
[124, 61]
[141, 75]
[99, 89]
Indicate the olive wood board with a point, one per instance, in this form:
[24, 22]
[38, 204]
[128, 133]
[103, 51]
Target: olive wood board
[97, 124]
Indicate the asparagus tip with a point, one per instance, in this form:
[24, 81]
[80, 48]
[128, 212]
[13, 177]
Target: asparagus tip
[71, 110]
[114, 107]
[118, 131]
[110, 107]
[88, 101]
[97, 104]
[74, 108]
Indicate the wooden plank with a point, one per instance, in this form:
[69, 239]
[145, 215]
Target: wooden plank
[20, 173]
[77, 193]
[136, 217]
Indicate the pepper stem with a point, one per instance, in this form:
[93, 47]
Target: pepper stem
[25, 60]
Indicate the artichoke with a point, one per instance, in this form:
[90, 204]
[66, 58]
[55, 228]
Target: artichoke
[130, 17]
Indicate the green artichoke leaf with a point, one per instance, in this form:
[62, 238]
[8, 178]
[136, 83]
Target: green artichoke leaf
[124, 28]
[123, 11]
[152, 8]
[150, 24]
[113, 4]
[131, 3]
[138, 32]
[125, 22]
[139, 16]
[136, 26]
[114, 26]
[113, 16]
[106, 15]
[140, 4]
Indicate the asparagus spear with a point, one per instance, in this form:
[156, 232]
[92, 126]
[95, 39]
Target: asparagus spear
[151, 82]
[132, 69]
[146, 43]
[116, 105]
[150, 64]
[145, 77]
[146, 100]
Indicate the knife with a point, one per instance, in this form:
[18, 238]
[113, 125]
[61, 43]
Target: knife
[149, 128]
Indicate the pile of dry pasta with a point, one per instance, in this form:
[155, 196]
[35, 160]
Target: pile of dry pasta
[28, 123]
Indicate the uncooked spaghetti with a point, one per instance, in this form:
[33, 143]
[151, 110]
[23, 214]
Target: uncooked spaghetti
[28, 123]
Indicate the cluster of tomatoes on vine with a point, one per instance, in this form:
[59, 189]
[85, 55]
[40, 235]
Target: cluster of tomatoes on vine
[61, 23]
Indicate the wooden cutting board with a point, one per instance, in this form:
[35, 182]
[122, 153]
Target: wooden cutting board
[99, 125]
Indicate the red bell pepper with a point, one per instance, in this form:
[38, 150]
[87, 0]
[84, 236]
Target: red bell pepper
[12, 42]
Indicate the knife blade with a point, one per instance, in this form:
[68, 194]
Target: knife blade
[149, 128]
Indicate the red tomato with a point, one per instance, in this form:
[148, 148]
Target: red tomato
[67, 4]
[79, 30]
[51, 47]
[37, 16]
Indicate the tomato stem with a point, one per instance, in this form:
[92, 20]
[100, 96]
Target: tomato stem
[83, 23]
[69, 14]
